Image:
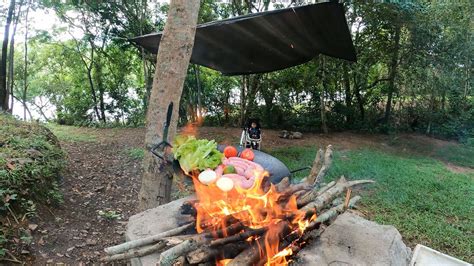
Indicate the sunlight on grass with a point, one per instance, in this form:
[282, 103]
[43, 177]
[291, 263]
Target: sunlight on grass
[72, 133]
[426, 202]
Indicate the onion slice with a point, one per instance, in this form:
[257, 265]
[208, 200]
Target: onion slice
[207, 177]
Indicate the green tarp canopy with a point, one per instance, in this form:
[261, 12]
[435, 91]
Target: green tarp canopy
[268, 41]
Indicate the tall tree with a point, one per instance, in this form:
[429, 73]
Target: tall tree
[171, 67]
[25, 70]
[11, 51]
[322, 98]
[392, 73]
[3, 61]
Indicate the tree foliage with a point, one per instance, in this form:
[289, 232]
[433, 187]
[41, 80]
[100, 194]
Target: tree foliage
[414, 71]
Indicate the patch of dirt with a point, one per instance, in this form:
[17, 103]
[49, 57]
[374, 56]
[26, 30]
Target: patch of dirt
[458, 169]
[100, 176]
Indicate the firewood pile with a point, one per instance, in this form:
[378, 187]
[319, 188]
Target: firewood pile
[263, 225]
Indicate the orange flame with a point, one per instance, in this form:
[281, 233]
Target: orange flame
[254, 208]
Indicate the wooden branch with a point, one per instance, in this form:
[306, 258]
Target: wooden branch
[325, 198]
[135, 253]
[348, 197]
[317, 164]
[295, 188]
[284, 183]
[313, 194]
[326, 165]
[326, 187]
[148, 240]
[168, 257]
[331, 213]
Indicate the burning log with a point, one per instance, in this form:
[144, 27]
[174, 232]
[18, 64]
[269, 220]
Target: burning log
[249, 226]
[249, 255]
[239, 237]
[205, 254]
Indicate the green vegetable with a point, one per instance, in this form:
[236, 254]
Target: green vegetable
[229, 169]
[194, 154]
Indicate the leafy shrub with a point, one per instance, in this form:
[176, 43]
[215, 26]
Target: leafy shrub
[30, 162]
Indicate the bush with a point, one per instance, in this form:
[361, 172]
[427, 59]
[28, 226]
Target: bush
[30, 162]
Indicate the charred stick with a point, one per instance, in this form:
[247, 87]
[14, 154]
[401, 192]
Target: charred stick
[238, 237]
[206, 253]
[188, 207]
[250, 255]
[227, 231]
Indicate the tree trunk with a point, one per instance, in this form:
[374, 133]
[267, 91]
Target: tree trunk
[171, 68]
[393, 73]
[100, 88]
[243, 99]
[348, 95]
[11, 60]
[322, 106]
[3, 61]
[197, 74]
[25, 71]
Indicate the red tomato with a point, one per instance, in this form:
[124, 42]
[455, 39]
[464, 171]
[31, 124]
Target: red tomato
[230, 151]
[247, 154]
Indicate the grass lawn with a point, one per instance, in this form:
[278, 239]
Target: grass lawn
[72, 133]
[425, 201]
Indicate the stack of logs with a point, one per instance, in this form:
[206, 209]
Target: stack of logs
[182, 246]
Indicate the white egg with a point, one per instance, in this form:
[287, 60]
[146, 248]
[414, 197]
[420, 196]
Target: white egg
[225, 184]
[207, 177]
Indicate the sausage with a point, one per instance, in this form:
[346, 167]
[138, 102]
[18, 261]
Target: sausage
[219, 170]
[240, 164]
[238, 160]
[241, 181]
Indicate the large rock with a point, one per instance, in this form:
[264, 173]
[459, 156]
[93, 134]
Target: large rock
[352, 240]
[152, 222]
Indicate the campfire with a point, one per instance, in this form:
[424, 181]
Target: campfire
[248, 224]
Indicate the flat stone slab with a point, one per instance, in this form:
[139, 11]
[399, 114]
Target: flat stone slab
[353, 240]
[350, 240]
[152, 222]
